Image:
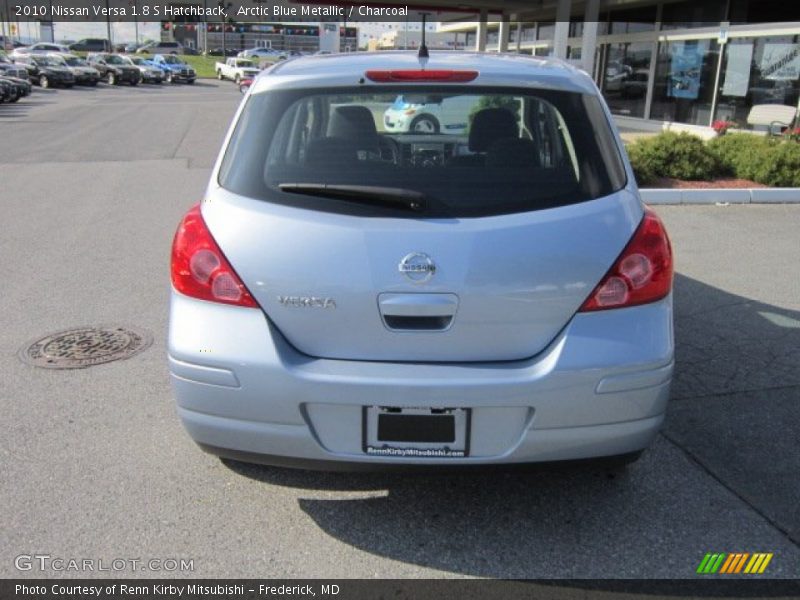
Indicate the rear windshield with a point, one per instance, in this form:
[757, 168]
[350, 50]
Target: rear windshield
[468, 151]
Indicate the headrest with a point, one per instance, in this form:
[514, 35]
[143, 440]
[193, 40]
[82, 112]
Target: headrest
[354, 123]
[490, 125]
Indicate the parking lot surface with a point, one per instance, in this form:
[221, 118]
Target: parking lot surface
[95, 463]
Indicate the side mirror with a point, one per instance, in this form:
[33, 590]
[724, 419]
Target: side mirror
[243, 87]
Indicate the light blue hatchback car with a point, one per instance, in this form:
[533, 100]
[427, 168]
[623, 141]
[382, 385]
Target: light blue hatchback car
[347, 296]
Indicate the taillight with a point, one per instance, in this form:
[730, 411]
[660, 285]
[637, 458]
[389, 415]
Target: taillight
[416, 75]
[642, 273]
[200, 270]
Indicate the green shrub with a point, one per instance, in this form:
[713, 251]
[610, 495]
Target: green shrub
[642, 170]
[668, 154]
[779, 166]
[759, 158]
[740, 153]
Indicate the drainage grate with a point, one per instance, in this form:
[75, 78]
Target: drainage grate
[85, 347]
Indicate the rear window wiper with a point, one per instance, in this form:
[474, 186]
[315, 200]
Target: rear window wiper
[365, 194]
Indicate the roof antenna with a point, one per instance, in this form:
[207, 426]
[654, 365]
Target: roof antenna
[423, 55]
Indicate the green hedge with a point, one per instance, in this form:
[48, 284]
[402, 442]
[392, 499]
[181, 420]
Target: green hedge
[675, 155]
[762, 159]
[765, 160]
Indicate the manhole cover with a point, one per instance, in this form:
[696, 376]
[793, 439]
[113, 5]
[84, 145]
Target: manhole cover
[85, 346]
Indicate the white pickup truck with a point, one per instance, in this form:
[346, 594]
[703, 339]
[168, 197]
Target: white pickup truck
[236, 69]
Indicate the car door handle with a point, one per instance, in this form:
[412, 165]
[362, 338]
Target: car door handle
[418, 305]
[418, 312]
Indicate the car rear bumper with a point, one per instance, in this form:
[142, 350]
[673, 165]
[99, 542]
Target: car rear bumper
[176, 76]
[599, 389]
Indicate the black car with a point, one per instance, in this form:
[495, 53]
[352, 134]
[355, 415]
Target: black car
[8, 92]
[46, 71]
[114, 69]
[84, 73]
[22, 87]
[91, 45]
[220, 52]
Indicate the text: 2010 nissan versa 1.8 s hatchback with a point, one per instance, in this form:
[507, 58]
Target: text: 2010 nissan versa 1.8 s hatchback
[347, 296]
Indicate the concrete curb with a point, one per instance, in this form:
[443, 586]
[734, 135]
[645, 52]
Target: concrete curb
[721, 196]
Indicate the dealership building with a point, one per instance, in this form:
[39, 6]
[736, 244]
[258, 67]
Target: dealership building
[687, 62]
[283, 36]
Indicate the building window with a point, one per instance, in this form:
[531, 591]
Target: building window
[693, 13]
[547, 31]
[633, 20]
[758, 71]
[528, 33]
[626, 75]
[684, 81]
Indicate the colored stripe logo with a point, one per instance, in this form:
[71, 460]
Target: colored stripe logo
[736, 562]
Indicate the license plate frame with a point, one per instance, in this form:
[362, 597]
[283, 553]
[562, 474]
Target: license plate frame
[416, 432]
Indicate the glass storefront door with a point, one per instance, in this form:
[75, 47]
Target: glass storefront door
[764, 70]
[684, 81]
[625, 77]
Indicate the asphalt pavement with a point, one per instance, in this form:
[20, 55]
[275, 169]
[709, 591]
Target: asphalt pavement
[94, 463]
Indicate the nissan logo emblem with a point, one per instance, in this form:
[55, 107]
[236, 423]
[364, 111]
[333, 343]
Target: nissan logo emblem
[418, 267]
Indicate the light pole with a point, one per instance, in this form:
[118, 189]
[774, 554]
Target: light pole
[224, 25]
[108, 28]
[135, 4]
[52, 24]
[205, 26]
[3, 23]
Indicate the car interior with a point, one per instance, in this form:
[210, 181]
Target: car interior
[348, 134]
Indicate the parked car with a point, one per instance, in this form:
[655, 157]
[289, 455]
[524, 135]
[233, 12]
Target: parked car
[10, 69]
[149, 72]
[174, 68]
[91, 45]
[161, 48]
[348, 295]
[450, 115]
[83, 72]
[22, 86]
[131, 48]
[222, 52]
[263, 53]
[114, 69]
[8, 43]
[46, 71]
[44, 48]
[236, 69]
[8, 91]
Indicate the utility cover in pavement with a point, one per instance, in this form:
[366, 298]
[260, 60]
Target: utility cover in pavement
[85, 347]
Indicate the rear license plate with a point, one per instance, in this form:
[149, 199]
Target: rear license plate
[416, 432]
